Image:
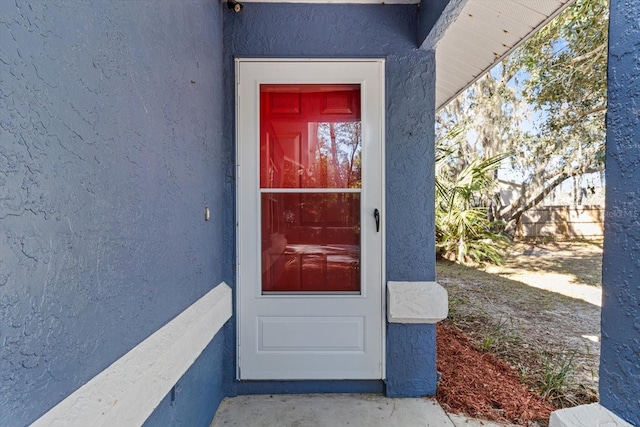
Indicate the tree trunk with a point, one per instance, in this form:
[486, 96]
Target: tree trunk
[512, 213]
[334, 157]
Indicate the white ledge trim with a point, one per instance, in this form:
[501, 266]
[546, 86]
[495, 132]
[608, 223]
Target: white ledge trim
[593, 414]
[129, 390]
[416, 302]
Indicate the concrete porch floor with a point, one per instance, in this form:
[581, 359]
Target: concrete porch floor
[337, 410]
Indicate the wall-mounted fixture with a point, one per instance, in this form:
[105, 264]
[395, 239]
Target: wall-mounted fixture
[234, 5]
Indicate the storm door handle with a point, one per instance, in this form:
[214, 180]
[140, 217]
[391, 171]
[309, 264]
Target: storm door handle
[376, 216]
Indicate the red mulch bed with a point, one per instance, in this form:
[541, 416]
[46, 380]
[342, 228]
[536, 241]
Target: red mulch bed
[480, 385]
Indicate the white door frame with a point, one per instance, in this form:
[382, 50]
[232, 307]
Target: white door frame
[301, 66]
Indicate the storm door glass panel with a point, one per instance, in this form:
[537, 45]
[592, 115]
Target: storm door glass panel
[310, 185]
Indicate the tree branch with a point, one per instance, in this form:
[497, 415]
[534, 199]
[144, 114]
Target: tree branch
[511, 214]
[592, 111]
[589, 55]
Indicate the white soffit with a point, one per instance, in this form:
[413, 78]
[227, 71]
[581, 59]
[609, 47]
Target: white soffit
[484, 33]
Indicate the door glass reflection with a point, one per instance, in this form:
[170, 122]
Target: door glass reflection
[310, 139]
[310, 242]
[310, 136]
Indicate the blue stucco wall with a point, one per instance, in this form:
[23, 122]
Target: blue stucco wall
[197, 395]
[620, 352]
[410, 373]
[411, 362]
[314, 30]
[435, 17]
[428, 14]
[110, 149]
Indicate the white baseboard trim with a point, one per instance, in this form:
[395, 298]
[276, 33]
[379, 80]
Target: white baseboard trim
[129, 390]
[594, 415]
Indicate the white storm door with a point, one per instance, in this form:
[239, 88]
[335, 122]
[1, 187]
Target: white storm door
[310, 219]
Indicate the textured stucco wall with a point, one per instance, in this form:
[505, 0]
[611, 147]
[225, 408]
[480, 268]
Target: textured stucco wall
[304, 30]
[110, 148]
[200, 384]
[620, 353]
[410, 166]
[435, 17]
[428, 14]
[411, 373]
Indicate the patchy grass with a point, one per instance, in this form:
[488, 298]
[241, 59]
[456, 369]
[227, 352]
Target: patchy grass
[547, 337]
[557, 376]
[501, 336]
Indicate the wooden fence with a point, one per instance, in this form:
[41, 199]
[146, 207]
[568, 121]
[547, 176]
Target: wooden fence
[570, 222]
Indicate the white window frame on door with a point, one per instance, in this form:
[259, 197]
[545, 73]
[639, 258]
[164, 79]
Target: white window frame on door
[298, 67]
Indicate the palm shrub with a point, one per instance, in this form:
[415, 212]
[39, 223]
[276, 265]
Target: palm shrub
[464, 231]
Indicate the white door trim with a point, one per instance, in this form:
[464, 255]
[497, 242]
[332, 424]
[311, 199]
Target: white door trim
[244, 218]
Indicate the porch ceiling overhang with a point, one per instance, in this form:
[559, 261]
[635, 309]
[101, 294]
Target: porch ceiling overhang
[471, 36]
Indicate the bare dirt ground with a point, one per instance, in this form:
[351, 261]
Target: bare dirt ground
[573, 268]
[539, 312]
